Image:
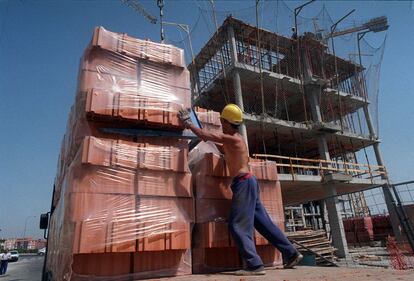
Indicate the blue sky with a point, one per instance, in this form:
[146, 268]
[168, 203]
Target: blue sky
[40, 46]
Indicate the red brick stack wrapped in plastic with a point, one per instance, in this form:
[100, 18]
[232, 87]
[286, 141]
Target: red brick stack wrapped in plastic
[123, 206]
[213, 249]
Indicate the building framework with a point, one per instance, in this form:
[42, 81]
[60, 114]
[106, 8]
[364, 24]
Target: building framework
[304, 108]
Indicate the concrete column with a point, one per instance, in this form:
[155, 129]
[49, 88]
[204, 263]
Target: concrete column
[334, 213]
[194, 83]
[323, 148]
[335, 222]
[314, 102]
[236, 79]
[389, 200]
[239, 102]
[232, 44]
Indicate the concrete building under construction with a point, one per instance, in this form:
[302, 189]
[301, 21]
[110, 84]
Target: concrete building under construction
[303, 108]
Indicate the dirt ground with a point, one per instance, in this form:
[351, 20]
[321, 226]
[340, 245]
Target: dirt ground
[305, 273]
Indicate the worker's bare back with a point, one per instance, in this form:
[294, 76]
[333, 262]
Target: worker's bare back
[235, 153]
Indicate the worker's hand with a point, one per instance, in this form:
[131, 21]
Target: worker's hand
[184, 116]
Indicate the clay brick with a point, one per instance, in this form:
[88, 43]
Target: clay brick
[259, 239]
[270, 255]
[140, 265]
[178, 236]
[274, 210]
[169, 236]
[121, 74]
[211, 235]
[104, 180]
[133, 47]
[162, 263]
[270, 190]
[98, 207]
[113, 223]
[101, 264]
[161, 210]
[224, 259]
[126, 154]
[123, 235]
[208, 116]
[209, 260]
[208, 210]
[214, 165]
[263, 170]
[210, 187]
[90, 237]
[102, 104]
[152, 237]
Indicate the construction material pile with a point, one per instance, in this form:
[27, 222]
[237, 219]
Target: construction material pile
[360, 230]
[214, 250]
[123, 206]
[314, 242]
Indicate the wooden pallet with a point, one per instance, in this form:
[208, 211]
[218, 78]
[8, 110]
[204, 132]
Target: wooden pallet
[317, 242]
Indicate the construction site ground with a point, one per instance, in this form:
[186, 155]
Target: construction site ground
[304, 273]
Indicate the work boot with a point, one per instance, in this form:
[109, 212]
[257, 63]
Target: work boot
[249, 272]
[294, 260]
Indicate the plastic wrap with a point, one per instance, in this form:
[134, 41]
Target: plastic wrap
[133, 90]
[160, 158]
[142, 168]
[122, 197]
[137, 48]
[117, 88]
[123, 206]
[214, 249]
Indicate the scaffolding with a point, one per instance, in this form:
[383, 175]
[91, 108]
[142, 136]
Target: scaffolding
[306, 107]
[289, 70]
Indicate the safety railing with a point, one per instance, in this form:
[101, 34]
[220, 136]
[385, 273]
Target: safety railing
[320, 167]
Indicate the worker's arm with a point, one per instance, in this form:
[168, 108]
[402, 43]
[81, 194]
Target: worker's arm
[205, 135]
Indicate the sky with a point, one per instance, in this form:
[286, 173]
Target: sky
[41, 42]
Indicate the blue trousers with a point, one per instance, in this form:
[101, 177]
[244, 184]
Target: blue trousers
[3, 267]
[247, 213]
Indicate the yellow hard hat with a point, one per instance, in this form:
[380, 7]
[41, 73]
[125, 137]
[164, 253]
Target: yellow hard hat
[232, 113]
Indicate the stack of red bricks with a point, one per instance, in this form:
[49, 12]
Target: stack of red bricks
[364, 229]
[350, 233]
[213, 249]
[382, 227]
[359, 230]
[209, 119]
[123, 205]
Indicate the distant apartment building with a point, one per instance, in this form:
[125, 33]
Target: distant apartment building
[24, 243]
[10, 244]
[36, 244]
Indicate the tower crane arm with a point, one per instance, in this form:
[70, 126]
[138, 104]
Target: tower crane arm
[135, 5]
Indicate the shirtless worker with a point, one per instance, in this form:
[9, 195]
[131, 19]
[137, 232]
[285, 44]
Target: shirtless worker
[247, 211]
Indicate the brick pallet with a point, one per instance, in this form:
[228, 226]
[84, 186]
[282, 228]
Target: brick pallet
[368, 229]
[123, 206]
